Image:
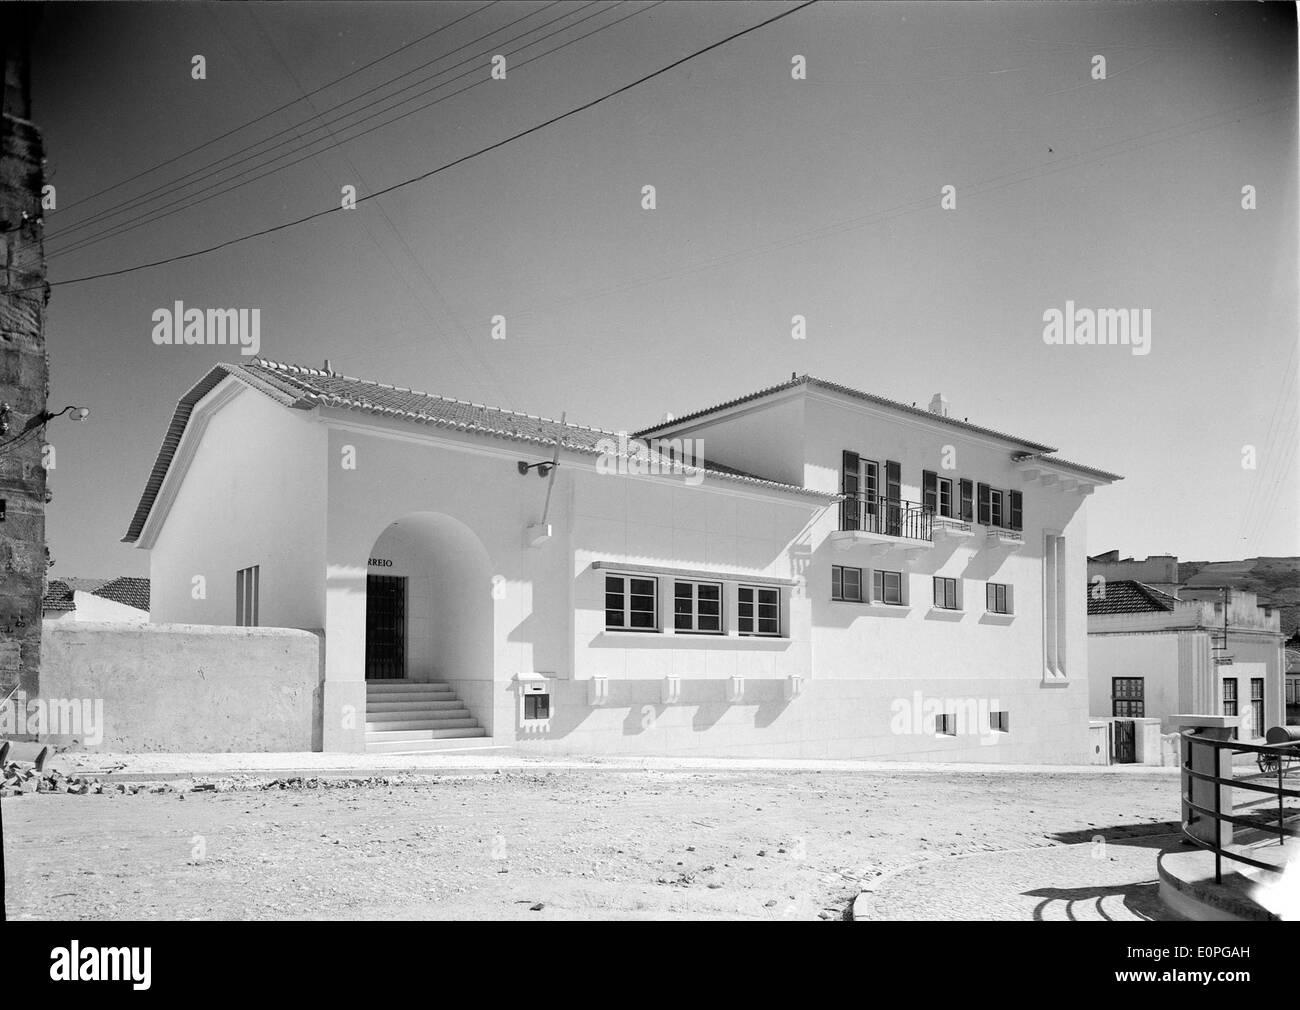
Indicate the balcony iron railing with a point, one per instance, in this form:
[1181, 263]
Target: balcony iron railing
[890, 517]
[1276, 758]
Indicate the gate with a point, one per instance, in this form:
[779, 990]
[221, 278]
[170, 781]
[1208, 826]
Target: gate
[1123, 741]
[385, 627]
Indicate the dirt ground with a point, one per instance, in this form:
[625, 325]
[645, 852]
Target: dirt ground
[568, 844]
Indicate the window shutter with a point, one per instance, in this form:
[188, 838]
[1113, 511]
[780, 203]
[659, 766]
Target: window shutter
[1011, 602]
[930, 490]
[849, 475]
[967, 512]
[985, 504]
[1017, 510]
[849, 508]
[893, 480]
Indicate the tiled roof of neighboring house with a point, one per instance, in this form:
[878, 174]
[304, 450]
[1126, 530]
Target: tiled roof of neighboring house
[1127, 596]
[133, 592]
[306, 388]
[812, 380]
[58, 597]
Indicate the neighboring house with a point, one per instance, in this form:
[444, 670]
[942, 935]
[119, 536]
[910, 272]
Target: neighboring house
[831, 574]
[123, 599]
[1154, 655]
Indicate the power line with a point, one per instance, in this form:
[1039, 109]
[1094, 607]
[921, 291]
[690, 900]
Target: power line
[433, 171]
[280, 108]
[476, 356]
[211, 169]
[1249, 519]
[257, 173]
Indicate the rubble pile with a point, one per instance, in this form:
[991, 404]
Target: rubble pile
[16, 779]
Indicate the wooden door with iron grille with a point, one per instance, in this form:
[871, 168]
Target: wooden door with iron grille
[1124, 741]
[385, 627]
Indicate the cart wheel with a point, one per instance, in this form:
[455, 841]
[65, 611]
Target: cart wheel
[1268, 762]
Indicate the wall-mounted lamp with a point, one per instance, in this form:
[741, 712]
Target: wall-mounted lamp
[543, 468]
[44, 417]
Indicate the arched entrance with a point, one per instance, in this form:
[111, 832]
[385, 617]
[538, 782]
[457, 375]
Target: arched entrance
[429, 625]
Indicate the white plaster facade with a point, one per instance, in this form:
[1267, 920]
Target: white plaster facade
[311, 494]
[1174, 652]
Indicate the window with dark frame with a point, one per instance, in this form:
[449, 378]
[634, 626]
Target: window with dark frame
[1000, 722]
[1128, 697]
[846, 584]
[936, 493]
[887, 587]
[998, 598]
[759, 610]
[697, 607]
[860, 483]
[247, 588]
[945, 497]
[967, 491]
[631, 603]
[1229, 695]
[946, 724]
[945, 593]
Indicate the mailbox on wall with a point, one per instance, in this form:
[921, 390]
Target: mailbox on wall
[534, 691]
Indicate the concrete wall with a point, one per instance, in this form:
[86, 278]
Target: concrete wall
[252, 494]
[175, 687]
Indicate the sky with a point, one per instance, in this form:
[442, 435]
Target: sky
[774, 197]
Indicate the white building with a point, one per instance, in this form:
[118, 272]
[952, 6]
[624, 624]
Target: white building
[1153, 655]
[846, 576]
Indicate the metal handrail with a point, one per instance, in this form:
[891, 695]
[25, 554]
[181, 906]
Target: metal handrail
[1217, 814]
[889, 516]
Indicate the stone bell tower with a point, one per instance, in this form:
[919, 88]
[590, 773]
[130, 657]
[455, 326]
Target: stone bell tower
[24, 367]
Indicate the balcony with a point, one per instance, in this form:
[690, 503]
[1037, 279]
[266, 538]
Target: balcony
[948, 528]
[998, 536]
[877, 521]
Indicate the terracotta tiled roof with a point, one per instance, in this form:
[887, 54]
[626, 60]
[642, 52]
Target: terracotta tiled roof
[1127, 596]
[58, 597]
[306, 388]
[127, 590]
[133, 592]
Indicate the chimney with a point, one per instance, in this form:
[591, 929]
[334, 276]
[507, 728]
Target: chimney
[939, 405]
[327, 367]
